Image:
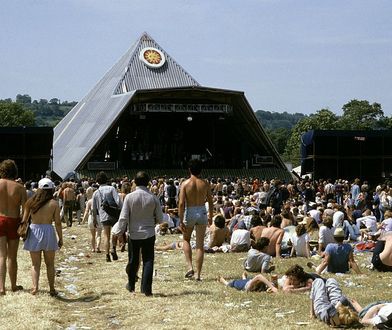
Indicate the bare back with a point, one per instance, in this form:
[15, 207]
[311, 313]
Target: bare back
[275, 236]
[69, 194]
[46, 214]
[386, 254]
[12, 198]
[195, 191]
[256, 232]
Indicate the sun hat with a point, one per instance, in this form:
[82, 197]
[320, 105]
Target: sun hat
[45, 183]
[339, 232]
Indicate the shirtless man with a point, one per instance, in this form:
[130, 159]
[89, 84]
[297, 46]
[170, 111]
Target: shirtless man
[382, 254]
[275, 235]
[192, 212]
[12, 198]
[255, 232]
[219, 233]
[69, 198]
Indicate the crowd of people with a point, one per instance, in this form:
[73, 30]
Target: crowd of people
[323, 220]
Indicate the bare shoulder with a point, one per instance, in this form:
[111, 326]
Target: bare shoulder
[186, 182]
[53, 203]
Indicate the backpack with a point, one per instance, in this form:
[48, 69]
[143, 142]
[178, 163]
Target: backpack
[111, 208]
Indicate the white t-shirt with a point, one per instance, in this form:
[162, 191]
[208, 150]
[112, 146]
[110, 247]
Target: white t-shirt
[300, 244]
[326, 235]
[338, 218]
[369, 221]
[382, 315]
[240, 236]
[315, 214]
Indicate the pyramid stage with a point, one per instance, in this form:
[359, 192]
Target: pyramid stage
[148, 113]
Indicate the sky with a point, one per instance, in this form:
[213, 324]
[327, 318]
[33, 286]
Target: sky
[297, 56]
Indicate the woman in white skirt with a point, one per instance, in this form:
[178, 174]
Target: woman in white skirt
[43, 210]
[95, 231]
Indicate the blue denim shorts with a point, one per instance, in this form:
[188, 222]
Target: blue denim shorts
[195, 215]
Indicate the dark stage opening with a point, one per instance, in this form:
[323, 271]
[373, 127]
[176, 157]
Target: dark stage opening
[169, 140]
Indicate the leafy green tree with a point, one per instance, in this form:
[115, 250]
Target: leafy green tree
[385, 123]
[274, 120]
[324, 119]
[54, 101]
[25, 99]
[279, 138]
[360, 115]
[14, 114]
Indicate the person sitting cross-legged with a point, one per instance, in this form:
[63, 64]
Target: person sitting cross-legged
[257, 260]
[338, 257]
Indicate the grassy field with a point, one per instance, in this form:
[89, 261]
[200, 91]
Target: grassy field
[92, 294]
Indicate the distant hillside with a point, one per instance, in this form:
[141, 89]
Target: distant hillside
[46, 113]
[274, 120]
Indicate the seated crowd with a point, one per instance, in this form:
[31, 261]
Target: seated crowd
[323, 221]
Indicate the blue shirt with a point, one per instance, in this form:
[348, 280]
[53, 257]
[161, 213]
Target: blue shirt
[338, 257]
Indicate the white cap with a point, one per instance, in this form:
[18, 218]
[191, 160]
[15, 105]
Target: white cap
[45, 183]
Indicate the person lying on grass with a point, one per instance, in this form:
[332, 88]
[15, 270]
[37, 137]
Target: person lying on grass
[377, 314]
[330, 306]
[297, 280]
[258, 283]
[257, 260]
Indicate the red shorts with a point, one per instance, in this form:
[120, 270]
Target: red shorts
[9, 226]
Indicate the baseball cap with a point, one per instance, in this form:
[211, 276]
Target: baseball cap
[45, 183]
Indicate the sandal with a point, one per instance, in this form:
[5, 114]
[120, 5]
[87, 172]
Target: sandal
[190, 274]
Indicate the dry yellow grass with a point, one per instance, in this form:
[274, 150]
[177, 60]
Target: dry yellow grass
[94, 297]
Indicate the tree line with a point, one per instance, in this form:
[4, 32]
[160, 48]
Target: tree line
[27, 112]
[284, 129]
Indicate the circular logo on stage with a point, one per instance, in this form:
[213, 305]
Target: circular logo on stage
[152, 57]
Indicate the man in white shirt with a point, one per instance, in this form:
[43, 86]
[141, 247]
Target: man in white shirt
[240, 240]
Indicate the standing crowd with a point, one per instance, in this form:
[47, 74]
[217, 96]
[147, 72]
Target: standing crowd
[324, 220]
